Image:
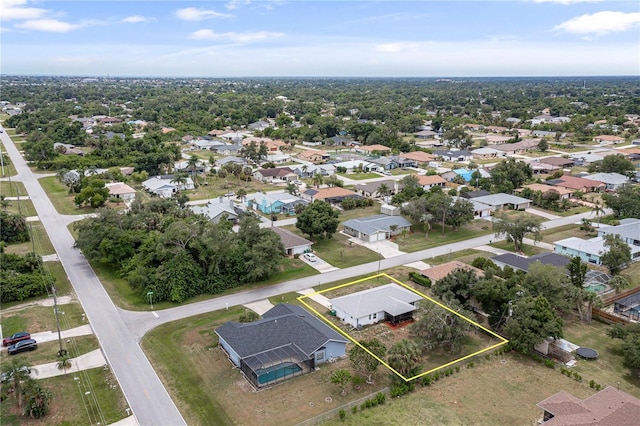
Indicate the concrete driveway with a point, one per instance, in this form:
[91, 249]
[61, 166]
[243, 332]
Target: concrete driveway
[319, 265]
[385, 248]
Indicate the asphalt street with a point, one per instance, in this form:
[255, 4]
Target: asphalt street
[145, 393]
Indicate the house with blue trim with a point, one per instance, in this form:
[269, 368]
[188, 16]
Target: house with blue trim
[274, 203]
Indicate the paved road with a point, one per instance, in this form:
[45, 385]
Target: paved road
[147, 397]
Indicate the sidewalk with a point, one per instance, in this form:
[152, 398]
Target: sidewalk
[93, 359]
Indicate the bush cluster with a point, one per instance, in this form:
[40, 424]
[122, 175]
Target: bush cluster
[420, 279]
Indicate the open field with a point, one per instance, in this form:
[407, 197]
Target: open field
[416, 240]
[7, 167]
[40, 318]
[339, 251]
[359, 176]
[12, 189]
[562, 232]
[60, 197]
[23, 207]
[213, 186]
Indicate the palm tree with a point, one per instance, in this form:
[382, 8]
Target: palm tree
[180, 179]
[384, 190]
[597, 210]
[193, 163]
[4, 202]
[425, 220]
[404, 357]
[17, 372]
[64, 363]
[241, 194]
[618, 283]
[318, 180]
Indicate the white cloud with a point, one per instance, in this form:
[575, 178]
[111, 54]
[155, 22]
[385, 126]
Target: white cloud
[16, 10]
[193, 14]
[49, 25]
[601, 23]
[247, 37]
[136, 19]
[234, 4]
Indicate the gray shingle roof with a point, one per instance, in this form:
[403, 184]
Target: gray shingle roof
[501, 199]
[282, 325]
[523, 263]
[390, 298]
[372, 224]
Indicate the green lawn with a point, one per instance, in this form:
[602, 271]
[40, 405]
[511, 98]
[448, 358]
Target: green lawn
[359, 176]
[339, 252]
[7, 168]
[416, 240]
[562, 232]
[47, 351]
[212, 187]
[12, 189]
[23, 207]
[60, 197]
[528, 250]
[41, 318]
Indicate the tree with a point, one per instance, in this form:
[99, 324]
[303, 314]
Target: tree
[533, 321]
[341, 378]
[439, 327]
[440, 205]
[456, 286]
[457, 138]
[404, 357]
[192, 163]
[460, 214]
[617, 253]
[319, 219]
[612, 164]
[598, 211]
[543, 145]
[618, 282]
[494, 294]
[18, 373]
[13, 228]
[577, 273]
[548, 281]
[64, 362]
[515, 229]
[37, 400]
[630, 335]
[361, 359]
[510, 174]
[625, 202]
[384, 190]
[318, 180]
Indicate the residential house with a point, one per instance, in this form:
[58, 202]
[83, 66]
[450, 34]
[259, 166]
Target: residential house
[628, 307]
[523, 263]
[608, 139]
[275, 175]
[429, 181]
[305, 171]
[231, 160]
[286, 342]
[539, 168]
[391, 302]
[357, 165]
[475, 194]
[373, 149]
[612, 181]
[216, 210]
[386, 163]
[535, 187]
[610, 406]
[503, 201]
[67, 149]
[584, 159]
[519, 147]
[497, 139]
[274, 203]
[484, 153]
[453, 155]
[314, 156]
[258, 125]
[543, 134]
[425, 134]
[591, 250]
[371, 189]
[121, 190]
[331, 195]
[227, 149]
[235, 137]
[438, 272]
[420, 157]
[206, 144]
[293, 244]
[577, 184]
[430, 143]
[495, 129]
[165, 186]
[480, 210]
[559, 162]
[376, 228]
[341, 141]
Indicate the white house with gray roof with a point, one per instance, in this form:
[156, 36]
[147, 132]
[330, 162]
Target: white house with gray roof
[613, 181]
[376, 228]
[215, 210]
[390, 302]
[502, 201]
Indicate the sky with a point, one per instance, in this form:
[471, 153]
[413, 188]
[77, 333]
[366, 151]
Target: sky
[247, 38]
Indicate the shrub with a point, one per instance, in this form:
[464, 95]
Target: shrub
[419, 279]
[380, 398]
[549, 363]
[400, 389]
[426, 380]
[342, 414]
[471, 364]
[354, 409]
[479, 262]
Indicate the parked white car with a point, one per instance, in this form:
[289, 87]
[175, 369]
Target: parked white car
[310, 257]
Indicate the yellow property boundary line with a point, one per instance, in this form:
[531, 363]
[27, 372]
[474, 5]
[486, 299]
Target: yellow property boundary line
[503, 341]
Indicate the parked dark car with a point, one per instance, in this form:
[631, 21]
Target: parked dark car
[4, 377]
[22, 346]
[15, 338]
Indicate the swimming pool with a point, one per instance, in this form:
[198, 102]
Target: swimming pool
[596, 288]
[275, 372]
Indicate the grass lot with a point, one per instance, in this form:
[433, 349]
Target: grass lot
[563, 213]
[528, 250]
[8, 168]
[416, 240]
[212, 187]
[37, 319]
[70, 407]
[562, 232]
[12, 189]
[23, 207]
[60, 197]
[465, 256]
[359, 212]
[632, 273]
[360, 176]
[39, 243]
[339, 252]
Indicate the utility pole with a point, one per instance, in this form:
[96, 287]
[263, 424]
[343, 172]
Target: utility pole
[62, 352]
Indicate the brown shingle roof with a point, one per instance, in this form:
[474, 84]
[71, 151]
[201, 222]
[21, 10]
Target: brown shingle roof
[438, 272]
[289, 239]
[430, 179]
[419, 156]
[332, 192]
